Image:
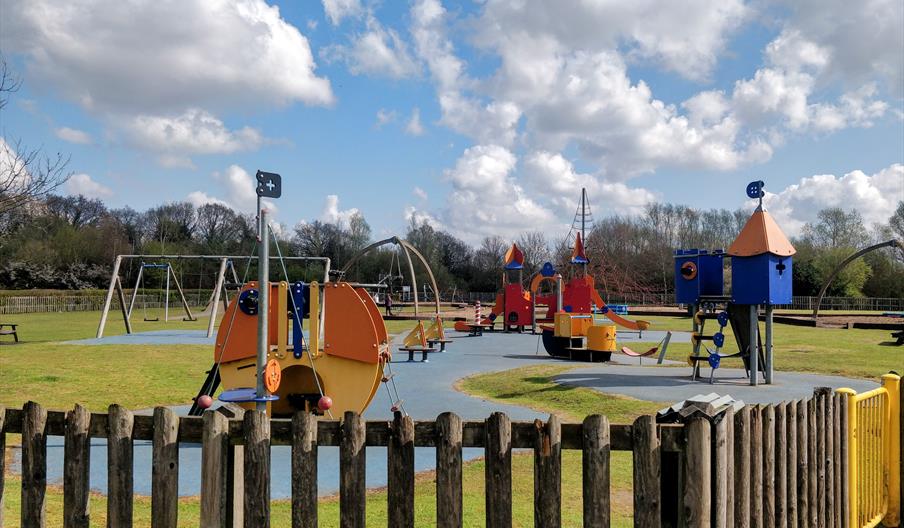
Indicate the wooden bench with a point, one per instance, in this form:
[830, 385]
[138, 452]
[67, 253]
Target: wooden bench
[899, 335]
[11, 331]
[423, 350]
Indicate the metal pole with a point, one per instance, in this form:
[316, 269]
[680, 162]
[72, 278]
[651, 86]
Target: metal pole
[768, 344]
[754, 349]
[221, 276]
[166, 294]
[135, 291]
[263, 297]
[109, 299]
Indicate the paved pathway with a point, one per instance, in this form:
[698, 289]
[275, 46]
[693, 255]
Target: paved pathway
[427, 389]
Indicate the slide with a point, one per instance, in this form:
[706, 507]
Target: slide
[615, 318]
[739, 316]
[496, 311]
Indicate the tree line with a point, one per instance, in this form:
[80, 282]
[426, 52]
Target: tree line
[70, 242]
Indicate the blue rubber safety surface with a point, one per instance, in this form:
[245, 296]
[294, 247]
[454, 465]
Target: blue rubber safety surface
[155, 337]
[428, 390]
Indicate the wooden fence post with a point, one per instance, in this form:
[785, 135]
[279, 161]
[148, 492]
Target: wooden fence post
[2, 459]
[822, 503]
[595, 462]
[165, 469]
[803, 465]
[448, 471]
[76, 466]
[352, 464]
[119, 467]
[781, 471]
[647, 471]
[214, 450]
[756, 466]
[34, 465]
[768, 445]
[498, 452]
[256, 508]
[304, 470]
[742, 467]
[698, 468]
[813, 477]
[829, 456]
[548, 473]
[721, 460]
[791, 463]
[400, 482]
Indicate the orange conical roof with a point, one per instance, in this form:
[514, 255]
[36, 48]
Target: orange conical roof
[578, 256]
[761, 235]
[514, 258]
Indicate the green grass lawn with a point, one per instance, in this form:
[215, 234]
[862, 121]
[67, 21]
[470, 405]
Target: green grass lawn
[853, 353]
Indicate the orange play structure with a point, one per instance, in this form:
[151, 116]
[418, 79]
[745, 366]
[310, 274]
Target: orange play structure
[338, 358]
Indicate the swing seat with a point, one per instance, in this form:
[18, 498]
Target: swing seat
[150, 319]
[628, 352]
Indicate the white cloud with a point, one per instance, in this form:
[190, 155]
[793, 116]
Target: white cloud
[384, 117]
[83, 184]
[420, 193]
[414, 126]
[554, 176]
[874, 196]
[487, 200]
[332, 214]
[210, 54]
[72, 135]
[684, 37]
[864, 40]
[13, 169]
[336, 10]
[200, 198]
[238, 189]
[378, 51]
[193, 132]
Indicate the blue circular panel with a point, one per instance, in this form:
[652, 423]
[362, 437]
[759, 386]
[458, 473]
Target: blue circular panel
[248, 301]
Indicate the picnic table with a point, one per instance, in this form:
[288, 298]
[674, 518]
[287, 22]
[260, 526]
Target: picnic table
[11, 331]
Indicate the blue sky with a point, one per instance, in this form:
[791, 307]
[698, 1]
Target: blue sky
[480, 117]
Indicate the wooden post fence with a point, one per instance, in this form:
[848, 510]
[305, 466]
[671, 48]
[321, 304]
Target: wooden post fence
[762, 465]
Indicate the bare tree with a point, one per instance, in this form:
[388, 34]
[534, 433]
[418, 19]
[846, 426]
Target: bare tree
[26, 174]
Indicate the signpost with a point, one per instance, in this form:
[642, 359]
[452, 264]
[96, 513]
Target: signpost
[269, 185]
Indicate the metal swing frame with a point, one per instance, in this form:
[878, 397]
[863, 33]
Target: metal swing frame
[220, 289]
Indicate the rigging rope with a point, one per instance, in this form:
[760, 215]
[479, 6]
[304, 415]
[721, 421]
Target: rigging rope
[282, 263]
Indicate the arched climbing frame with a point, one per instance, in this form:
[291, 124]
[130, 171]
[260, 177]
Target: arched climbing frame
[888, 243]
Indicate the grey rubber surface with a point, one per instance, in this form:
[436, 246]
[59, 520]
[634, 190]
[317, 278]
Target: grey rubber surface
[427, 389]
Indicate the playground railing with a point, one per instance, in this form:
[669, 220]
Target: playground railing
[874, 456]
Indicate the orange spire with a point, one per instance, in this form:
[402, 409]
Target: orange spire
[761, 235]
[578, 256]
[514, 258]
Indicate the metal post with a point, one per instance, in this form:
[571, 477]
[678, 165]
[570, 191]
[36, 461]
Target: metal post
[166, 294]
[217, 289]
[263, 297]
[768, 344]
[109, 299]
[559, 292]
[754, 350]
[135, 291]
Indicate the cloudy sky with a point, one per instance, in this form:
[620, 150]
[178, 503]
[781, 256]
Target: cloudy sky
[483, 117]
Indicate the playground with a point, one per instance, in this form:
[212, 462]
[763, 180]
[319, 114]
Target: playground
[477, 375]
[271, 359]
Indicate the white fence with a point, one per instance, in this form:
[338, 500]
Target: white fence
[92, 302]
[21, 304]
